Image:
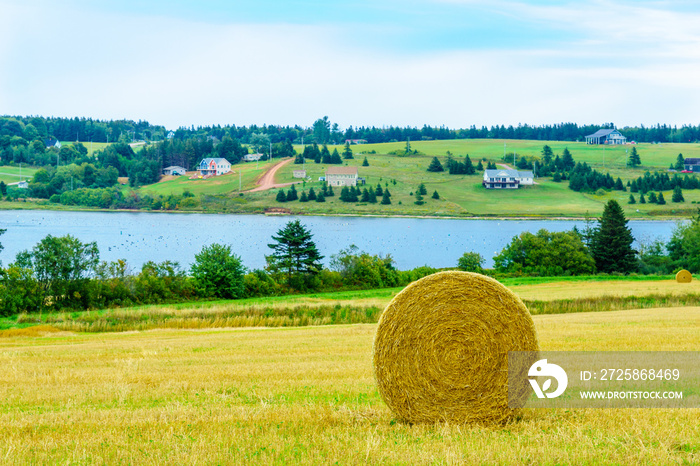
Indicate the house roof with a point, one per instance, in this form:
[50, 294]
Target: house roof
[216, 160]
[174, 167]
[500, 173]
[341, 171]
[602, 132]
[691, 161]
[508, 173]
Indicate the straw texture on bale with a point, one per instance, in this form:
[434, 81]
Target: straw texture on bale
[441, 349]
[683, 276]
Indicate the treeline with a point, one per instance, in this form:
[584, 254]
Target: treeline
[23, 130]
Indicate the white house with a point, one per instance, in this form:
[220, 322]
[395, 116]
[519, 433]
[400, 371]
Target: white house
[252, 157]
[52, 143]
[606, 136]
[299, 173]
[507, 179]
[214, 166]
[174, 170]
[342, 176]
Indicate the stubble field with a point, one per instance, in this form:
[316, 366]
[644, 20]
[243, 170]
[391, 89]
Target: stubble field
[305, 395]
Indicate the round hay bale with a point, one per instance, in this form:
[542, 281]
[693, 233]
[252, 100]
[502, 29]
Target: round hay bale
[683, 276]
[441, 349]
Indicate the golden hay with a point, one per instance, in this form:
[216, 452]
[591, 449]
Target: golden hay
[684, 276]
[441, 349]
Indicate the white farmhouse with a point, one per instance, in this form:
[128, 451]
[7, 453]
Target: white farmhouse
[214, 166]
[342, 176]
[507, 179]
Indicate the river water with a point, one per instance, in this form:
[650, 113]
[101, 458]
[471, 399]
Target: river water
[412, 242]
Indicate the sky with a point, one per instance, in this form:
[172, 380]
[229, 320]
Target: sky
[360, 62]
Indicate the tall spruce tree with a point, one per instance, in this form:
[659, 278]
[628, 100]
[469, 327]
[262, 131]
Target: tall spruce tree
[611, 245]
[294, 252]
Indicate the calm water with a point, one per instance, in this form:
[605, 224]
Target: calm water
[140, 237]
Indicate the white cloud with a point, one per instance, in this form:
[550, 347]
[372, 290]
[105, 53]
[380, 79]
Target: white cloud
[178, 72]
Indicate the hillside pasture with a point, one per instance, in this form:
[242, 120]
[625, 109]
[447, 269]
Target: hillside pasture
[223, 184]
[306, 395]
[11, 174]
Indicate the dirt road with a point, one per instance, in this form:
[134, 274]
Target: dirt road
[267, 181]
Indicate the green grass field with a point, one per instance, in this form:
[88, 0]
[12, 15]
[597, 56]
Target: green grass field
[12, 174]
[463, 195]
[92, 147]
[306, 396]
[224, 184]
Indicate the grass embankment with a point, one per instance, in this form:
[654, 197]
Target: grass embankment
[306, 395]
[582, 294]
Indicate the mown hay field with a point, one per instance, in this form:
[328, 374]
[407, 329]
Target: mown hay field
[305, 395]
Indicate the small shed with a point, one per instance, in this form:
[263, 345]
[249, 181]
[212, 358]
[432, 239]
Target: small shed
[252, 157]
[299, 173]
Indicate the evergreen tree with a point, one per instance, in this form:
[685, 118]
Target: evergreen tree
[556, 177]
[299, 159]
[345, 194]
[372, 196]
[641, 199]
[365, 196]
[387, 193]
[618, 185]
[294, 252]
[316, 153]
[419, 199]
[354, 194]
[3, 188]
[320, 197]
[303, 197]
[329, 192]
[292, 194]
[660, 200]
[422, 189]
[281, 196]
[325, 155]
[436, 195]
[335, 158]
[468, 166]
[379, 191]
[634, 160]
[652, 198]
[680, 162]
[631, 201]
[347, 152]
[385, 198]
[677, 195]
[435, 165]
[567, 160]
[612, 240]
[312, 194]
[365, 163]
[480, 167]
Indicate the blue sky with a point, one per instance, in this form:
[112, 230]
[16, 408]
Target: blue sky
[384, 62]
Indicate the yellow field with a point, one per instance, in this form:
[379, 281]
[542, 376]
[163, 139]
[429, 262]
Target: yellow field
[304, 395]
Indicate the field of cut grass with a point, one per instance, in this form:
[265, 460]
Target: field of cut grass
[224, 184]
[12, 174]
[306, 395]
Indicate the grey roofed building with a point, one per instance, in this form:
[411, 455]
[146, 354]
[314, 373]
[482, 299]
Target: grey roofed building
[507, 178]
[606, 136]
[691, 164]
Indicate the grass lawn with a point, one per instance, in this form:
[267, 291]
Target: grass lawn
[224, 184]
[92, 147]
[306, 395]
[11, 174]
